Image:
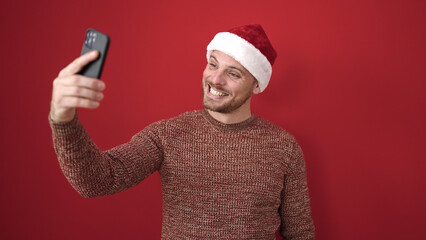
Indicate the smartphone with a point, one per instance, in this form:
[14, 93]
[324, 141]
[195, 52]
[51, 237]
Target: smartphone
[95, 40]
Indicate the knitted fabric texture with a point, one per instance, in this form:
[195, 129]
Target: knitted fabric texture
[219, 181]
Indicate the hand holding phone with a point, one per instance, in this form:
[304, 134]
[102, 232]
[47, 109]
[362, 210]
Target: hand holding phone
[78, 84]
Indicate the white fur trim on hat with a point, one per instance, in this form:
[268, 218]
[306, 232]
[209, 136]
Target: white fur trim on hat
[244, 53]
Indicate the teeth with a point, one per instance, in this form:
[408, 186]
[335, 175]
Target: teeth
[214, 92]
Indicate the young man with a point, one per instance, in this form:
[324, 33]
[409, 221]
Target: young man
[225, 173]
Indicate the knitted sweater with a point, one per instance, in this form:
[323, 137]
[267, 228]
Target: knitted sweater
[219, 181]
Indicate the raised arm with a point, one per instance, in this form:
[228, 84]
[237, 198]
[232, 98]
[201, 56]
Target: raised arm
[93, 172]
[90, 171]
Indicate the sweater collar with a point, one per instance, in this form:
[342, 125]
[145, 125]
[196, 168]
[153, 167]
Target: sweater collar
[224, 126]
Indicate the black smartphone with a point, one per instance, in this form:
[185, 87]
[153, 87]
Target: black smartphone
[95, 40]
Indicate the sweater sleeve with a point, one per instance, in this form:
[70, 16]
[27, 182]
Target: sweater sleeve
[295, 210]
[93, 172]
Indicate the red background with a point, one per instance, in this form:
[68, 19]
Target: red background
[349, 83]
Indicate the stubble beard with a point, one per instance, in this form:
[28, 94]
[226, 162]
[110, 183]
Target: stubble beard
[226, 107]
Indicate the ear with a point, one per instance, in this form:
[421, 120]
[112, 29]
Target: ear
[256, 88]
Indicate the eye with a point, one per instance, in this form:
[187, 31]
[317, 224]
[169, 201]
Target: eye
[234, 75]
[212, 65]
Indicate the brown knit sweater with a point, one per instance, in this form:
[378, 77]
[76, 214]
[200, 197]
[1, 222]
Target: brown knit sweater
[219, 181]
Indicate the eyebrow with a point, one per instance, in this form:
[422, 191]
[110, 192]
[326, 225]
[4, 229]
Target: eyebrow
[232, 67]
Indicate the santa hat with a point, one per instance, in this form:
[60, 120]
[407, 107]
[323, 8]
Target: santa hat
[250, 46]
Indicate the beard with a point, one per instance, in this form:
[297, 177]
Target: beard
[227, 106]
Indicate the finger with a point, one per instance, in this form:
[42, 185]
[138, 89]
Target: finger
[79, 63]
[80, 81]
[73, 91]
[76, 102]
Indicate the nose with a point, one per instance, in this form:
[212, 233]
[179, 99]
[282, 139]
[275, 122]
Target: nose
[218, 78]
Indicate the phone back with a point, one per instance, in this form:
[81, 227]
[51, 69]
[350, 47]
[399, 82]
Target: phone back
[95, 40]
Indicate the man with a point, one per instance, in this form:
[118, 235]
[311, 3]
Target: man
[225, 173]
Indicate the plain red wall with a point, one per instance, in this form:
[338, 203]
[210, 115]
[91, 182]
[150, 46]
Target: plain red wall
[349, 83]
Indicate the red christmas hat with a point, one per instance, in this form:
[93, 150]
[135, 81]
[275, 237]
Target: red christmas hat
[249, 46]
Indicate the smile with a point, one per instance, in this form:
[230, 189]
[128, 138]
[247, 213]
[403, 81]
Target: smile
[216, 92]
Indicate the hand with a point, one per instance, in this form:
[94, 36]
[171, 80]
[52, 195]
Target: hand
[71, 90]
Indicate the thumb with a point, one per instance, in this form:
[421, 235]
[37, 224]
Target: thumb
[79, 63]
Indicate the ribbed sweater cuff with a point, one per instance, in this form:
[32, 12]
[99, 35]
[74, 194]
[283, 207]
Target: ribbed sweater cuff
[71, 129]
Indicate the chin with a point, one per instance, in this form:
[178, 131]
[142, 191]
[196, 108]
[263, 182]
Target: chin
[227, 107]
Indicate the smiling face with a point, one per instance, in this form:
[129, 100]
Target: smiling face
[227, 85]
